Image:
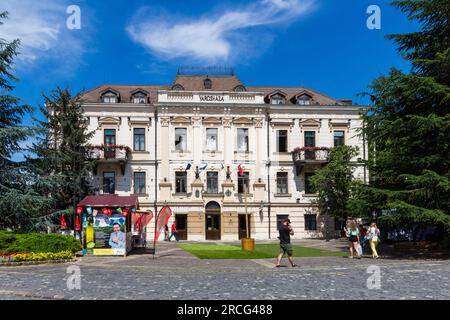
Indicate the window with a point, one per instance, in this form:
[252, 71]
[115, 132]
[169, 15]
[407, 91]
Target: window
[139, 139]
[304, 99]
[109, 182]
[280, 219]
[282, 182]
[178, 87]
[109, 136]
[212, 182]
[207, 83]
[310, 222]
[109, 140]
[339, 223]
[109, 97]
[242, 139]
[139, 98]
[310, 141]
[211, 139]
[180, 182]
[139, 182]
[180, 139]
[282, 140]
[243, 183]
[277, 99]
[239, 88]
[308, 186]
[339, 138]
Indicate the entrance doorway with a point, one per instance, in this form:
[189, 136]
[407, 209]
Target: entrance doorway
[212, 221]
[243, 226]
[181, 224]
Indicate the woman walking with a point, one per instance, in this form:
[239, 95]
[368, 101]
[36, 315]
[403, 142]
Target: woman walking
[373, 234]
[353, 239]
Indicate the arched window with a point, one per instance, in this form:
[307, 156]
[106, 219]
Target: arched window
[177, 87]
[207, 83]
[212, 205]
[239, 88]
[277, 99]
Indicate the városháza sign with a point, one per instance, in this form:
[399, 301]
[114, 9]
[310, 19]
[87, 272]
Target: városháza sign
[212, 98]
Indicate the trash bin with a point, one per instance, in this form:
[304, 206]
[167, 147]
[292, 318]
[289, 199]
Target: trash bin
[248, 244]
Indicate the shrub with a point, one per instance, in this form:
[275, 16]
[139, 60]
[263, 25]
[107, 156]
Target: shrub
[42, 256]
[37, 242]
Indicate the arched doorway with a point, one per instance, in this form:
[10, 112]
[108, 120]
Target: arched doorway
[212, 221]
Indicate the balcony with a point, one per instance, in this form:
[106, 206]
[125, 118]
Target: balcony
[110, 154]
[309, 156]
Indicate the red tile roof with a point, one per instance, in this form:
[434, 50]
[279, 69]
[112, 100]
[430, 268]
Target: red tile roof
[219, 83]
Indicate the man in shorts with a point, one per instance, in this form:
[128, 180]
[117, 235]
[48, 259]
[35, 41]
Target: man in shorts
[286, 232]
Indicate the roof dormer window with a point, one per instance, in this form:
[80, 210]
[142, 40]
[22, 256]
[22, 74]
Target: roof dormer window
[110, 97]
[304, 100]
[277, 99]
[239, 88]
[139, 98]
[207, 83]
[177, 87]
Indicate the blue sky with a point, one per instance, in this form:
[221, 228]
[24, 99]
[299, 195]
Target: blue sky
[321, 44]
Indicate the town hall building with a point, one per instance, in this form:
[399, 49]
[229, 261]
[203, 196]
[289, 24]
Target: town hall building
[215, 150]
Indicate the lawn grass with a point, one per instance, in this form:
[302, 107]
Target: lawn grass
[262, 251]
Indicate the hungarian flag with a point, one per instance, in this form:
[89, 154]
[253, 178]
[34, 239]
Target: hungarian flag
[162, 219]
[63, 222]
[240, 170]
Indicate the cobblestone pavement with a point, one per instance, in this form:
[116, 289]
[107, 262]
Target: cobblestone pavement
[175, 274]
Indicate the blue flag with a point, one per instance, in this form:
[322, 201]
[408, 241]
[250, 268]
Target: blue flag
[203, 166]
[188, 166]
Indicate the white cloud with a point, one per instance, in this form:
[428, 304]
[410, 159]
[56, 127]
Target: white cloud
[215, 36]
[41, 28]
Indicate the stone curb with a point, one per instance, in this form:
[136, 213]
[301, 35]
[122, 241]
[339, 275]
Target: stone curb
[29, 263]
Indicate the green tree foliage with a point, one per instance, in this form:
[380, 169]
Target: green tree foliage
[62, 162]
[408, 127]
[20, 205]
[333, 182]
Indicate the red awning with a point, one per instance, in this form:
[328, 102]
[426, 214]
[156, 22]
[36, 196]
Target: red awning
[109, 201]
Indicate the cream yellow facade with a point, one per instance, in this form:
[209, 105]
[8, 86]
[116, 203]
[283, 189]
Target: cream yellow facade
[190, 145]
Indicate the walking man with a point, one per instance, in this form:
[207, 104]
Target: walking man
[286, 232]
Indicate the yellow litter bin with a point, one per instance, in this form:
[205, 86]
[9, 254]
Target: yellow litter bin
[248, 244]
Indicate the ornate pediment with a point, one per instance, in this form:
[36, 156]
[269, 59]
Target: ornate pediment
[212, 121]
[243, 121]
[181, 120]
[310, 124]
[109, 120]
[339, 124]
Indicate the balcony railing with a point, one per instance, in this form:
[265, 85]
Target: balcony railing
[110, 153]
[113, 152]
[309, 155]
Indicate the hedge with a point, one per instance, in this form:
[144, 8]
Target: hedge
[37, 242]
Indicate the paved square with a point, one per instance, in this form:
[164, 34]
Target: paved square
[176, 274]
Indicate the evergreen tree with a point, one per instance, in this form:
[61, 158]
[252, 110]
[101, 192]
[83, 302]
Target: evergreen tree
[62, 152]
[408, 127]
[20, 205]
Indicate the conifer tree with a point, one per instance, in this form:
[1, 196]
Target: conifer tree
[408, 127]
